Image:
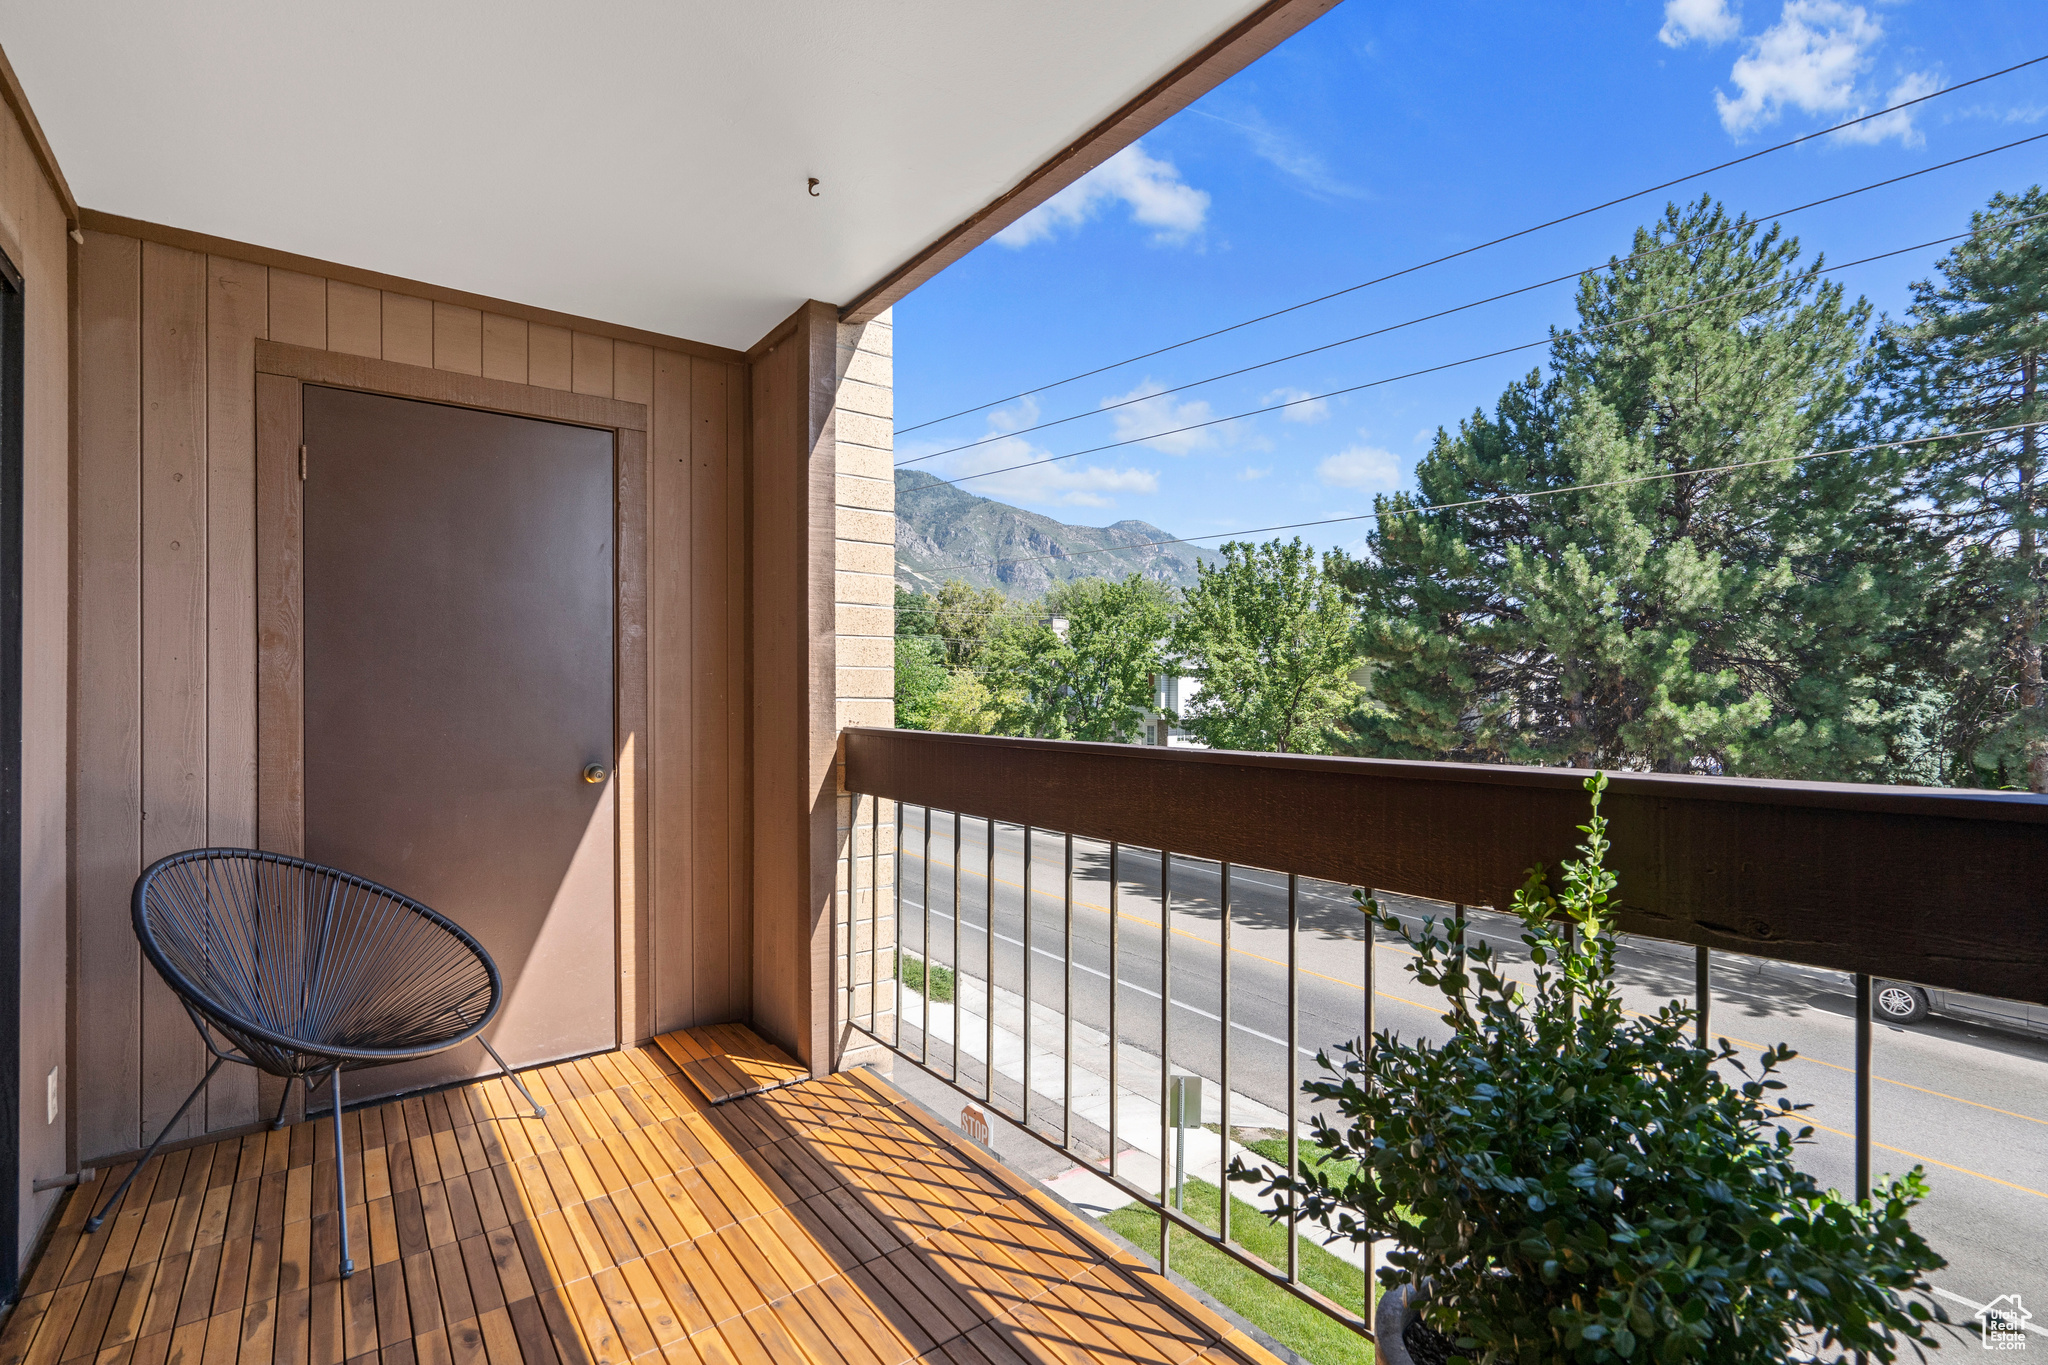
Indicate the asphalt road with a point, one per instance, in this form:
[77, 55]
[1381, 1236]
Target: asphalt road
[1966, 1102]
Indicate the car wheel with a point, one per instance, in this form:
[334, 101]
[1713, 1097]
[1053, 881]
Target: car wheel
[1896, 1003]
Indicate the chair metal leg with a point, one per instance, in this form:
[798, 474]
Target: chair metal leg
[348, 1267]
[92, 1224]
[278, 1122]
[538, 1112]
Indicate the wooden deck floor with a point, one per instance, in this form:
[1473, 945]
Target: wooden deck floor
[811, 1224]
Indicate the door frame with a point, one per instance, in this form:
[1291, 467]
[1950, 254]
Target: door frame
[282, 372]
[13, 488]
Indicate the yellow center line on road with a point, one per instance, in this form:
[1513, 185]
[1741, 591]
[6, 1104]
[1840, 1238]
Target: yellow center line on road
[1927, 1160]
[1353, 985]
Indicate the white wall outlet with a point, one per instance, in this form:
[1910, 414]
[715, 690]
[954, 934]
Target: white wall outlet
[50, 1096]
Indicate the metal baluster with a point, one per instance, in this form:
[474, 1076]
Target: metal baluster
[1365, 1053]
[1293, 1074]
[1025, 1117]
[1702, 990]
[1115, 989]
[1458, 917]
[1223, 1142]
[1863, 1087]
[896, 944]
[1165, 1054]
[1067, 1009]
[842, 984]
[874, 897]
[959, 977]
[988, 944]
[924, 950]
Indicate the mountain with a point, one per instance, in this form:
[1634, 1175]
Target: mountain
[942, 533]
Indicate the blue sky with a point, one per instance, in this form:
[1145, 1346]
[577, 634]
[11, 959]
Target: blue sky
[1385, 134]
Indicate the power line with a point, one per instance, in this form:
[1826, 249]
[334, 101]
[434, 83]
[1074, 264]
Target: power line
[1454, 364]
[1610, 264]
[1530, 494]
[1378, 514]
[1467, 251]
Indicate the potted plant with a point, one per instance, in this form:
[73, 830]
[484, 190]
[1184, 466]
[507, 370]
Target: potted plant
[1569, 1181]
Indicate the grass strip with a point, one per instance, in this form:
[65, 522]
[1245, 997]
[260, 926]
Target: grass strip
[1314, 1157]
[1271, 1309]
[910, 971]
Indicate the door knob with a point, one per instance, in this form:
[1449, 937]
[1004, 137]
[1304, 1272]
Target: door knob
[594, 773]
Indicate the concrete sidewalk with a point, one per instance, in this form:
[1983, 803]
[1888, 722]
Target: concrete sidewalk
[1137, 1100]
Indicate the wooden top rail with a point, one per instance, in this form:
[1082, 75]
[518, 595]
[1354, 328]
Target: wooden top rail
[1944, 887]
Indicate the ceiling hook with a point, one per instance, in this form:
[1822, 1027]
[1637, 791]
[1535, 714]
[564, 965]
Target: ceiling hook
[814, 187]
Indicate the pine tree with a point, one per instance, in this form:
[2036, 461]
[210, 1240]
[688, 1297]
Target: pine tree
[1970, 358]
[1681, 615]
[1269, 636]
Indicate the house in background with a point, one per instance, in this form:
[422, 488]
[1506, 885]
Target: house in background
[1172, 693]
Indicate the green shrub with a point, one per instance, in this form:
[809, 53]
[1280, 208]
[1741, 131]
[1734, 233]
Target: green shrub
[1584, 1185]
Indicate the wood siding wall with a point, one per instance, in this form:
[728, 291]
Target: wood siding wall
[32, 232]
[165, 678]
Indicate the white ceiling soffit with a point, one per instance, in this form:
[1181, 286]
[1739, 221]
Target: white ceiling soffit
[634, 161]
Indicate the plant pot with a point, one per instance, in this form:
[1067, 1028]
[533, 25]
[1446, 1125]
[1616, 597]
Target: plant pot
[1399, 1311]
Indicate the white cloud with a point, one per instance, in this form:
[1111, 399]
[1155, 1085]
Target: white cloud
[1250, 474]
[1898, 123]
[1139, 420]
[1706, 21]
[1284, 153]
[1039, 480]
[1810, 59]
[1302, 405]
[1151, 186]
[1024, 414]
[1050, 484]
[1367, 468]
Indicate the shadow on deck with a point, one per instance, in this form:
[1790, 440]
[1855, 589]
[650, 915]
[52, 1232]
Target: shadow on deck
[811, 1222]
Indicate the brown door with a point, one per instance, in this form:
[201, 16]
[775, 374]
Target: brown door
[458, 681]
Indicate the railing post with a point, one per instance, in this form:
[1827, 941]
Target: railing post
[1223, 1143]
[924, 951]
[1115, 989]
[896, 944]
[1702, 990]
[959, 977]
[1293, 1075]
[1365, 1056]
[988, 944]
[1067, 1010]
[1025, 1116]
[1165, 1053]
[841, 996]
[874, 899]
[1863, 1087]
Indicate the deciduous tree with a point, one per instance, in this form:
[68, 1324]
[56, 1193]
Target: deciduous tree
[1268, 635]
[1082, 668]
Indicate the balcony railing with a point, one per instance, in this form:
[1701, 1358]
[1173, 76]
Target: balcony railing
[1943, 888]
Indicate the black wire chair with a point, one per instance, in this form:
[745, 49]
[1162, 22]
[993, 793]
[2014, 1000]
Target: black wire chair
[305, 972]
